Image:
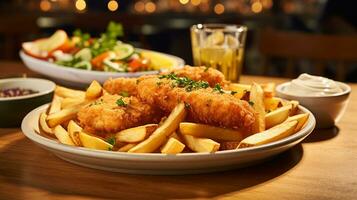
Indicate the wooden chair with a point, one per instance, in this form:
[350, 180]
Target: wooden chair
[319, 49]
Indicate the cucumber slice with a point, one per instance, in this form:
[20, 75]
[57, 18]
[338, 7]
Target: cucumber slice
[123, 51]
[115, 66]
[60, 56]
[84, 54]
[83, 65]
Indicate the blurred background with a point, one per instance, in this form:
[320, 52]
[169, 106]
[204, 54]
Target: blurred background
[285, 38]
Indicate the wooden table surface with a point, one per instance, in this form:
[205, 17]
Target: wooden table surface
[324, 166]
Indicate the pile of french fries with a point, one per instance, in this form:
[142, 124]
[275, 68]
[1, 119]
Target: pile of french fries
[276, 118]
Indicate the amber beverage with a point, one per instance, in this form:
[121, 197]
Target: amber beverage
[219, 46]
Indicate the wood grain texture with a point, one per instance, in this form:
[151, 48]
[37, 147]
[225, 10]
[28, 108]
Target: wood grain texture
[324, 166]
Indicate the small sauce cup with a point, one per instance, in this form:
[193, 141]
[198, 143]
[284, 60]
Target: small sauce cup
[327, 110]
[14, 109]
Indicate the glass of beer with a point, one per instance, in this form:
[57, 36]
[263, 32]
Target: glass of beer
[220, 46]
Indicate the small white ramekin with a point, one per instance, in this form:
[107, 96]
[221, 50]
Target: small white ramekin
[327, 110]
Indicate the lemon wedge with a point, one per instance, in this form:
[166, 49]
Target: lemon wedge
[158, 61]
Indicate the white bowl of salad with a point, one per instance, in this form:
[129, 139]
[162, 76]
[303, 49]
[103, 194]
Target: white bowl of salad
[80, 59]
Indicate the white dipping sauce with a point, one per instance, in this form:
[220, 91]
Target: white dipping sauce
[308, 85]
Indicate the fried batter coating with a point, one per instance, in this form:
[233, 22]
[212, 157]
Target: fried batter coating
[210, 75]
[129, 85]
[206, 105]
[105, 115]
[119, 85]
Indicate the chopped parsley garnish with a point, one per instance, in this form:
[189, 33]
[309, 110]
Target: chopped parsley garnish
[251, 103]
[184, 82]
[120, 102]
[233, 92]
[171, 76]
[124, 94]
[218, 88]
[111, 140]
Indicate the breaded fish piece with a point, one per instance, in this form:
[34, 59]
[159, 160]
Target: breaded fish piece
[129, 85]
[205, 105]
[107, 115]
[120, 85]
[210, 75]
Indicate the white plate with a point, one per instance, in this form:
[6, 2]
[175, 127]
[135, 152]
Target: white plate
[79, 77]
[155, 163]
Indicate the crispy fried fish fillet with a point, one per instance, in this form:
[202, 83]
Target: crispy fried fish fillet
[205, 105]
[119, 85]
[106, 116]
[129, 85]
[210, 75]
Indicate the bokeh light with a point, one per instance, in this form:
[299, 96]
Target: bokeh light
[81, 5]
[113, 5]
[219, 8]
[257, 7]
[45, 5]
[184, 2]
[195, 2]
[150, 7]
[139, 6]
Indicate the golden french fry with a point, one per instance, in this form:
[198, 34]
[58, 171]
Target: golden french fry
[93, 142]
[271, 135]
[256, 97]
[161, 134]
[201, 144]
[269, 89]
[294, 107]
[62, 135]
[73, 130]
[66, 92]
[172, 146]
[271, 103]
[43, 124]
[127, 147]
[239, 94]
[69, 102]
[285, 102]
[63, 116]
[55, 104]
[301, 118]
[211, 132]
[277, 116]
[94, 90]
[136, 134]
[240, 89]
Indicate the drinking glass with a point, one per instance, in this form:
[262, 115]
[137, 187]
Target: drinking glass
[220, 46]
